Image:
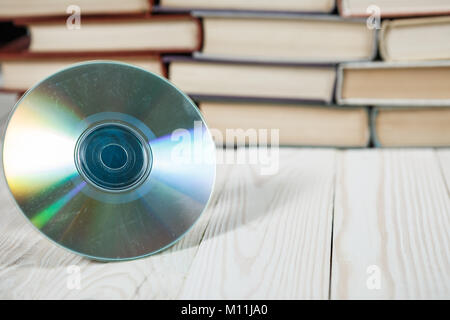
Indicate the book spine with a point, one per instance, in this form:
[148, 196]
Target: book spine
[382, 44]
[200, 34]
[338, 85]
[164, 68]
[12, 91]
[218, 11]
[372, 127]
[206, 97]
[208, 59]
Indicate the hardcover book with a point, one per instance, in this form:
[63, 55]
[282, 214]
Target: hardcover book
[286, 38]
[415, 39]
[234, 123]
[393, 8]
[250, 81]
[21, 72]
[323, 6]
[11, 9]
[384, 83]
[411, 127]
[154, 34]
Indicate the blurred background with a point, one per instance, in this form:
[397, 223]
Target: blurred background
[347, 74]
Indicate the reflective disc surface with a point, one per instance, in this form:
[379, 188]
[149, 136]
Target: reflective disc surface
[108, 160]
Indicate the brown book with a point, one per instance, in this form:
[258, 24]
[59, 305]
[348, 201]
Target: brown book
[237, 123]
[393, 8]
[22, 71]
[382, 83]
[12, 9]
[154, 34]
[286, 37]
[14, 92]
[415, 39]
[411, 127]
[244, 81]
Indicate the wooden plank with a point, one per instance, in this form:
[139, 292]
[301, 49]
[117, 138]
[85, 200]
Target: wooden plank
[444, 160]
[392, 224]
[270, 235]
[31, 267]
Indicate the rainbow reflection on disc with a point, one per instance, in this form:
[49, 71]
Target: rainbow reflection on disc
[108, 160]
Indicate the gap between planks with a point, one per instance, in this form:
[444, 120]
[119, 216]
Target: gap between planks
[289, 211]
[270, 236]
[31, 267]
[392, 223]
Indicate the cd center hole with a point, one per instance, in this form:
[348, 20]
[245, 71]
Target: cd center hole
[114, 156]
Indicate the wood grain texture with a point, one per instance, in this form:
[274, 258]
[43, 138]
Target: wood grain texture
[31, 267]
[444, 160]
[392, 211]
[269, 236]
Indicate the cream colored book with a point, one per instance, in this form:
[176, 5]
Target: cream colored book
[261, 81]
[255, 5]
[297, 125]
[411, 127]
[36, 8]
[157, 34]
[415, 39]
[393, 8]
[383, 83]
[286, 37]
[21, 74]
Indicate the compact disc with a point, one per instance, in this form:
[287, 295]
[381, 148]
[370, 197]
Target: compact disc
[109, 160]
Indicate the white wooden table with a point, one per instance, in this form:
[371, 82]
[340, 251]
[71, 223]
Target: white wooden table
[354, 224]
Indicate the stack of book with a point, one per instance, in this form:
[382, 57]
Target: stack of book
[410, 88]
[324, 73]
[119, 30]
[277, 69]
